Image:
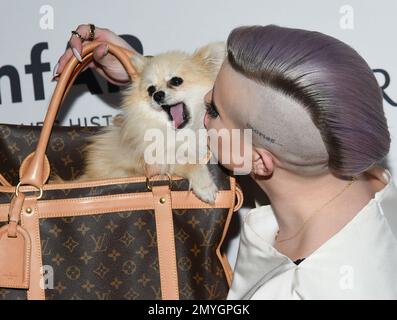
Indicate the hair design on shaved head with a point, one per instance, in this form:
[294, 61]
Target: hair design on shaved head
[327, 77]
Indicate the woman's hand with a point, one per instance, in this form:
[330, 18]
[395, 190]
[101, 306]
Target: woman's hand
[105, 64]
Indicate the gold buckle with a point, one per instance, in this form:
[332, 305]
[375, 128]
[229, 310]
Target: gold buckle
[150, 186]
[39, 189]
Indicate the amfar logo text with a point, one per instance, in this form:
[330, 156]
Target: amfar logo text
[36, 68]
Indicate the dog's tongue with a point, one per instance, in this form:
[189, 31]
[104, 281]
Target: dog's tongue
[177, 114]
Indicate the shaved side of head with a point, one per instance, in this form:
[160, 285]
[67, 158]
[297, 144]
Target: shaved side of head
[280, 124]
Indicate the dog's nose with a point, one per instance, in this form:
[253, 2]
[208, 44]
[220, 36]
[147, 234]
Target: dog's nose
[159, 96]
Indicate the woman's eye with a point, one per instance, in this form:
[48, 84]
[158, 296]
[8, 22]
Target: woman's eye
[211, 110]
[175, 81]
[151, 90]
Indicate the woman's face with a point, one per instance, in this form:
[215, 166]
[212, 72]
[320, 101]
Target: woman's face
[237, 103]
[226, 106]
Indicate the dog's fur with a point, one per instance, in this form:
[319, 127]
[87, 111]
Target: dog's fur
[118, 151]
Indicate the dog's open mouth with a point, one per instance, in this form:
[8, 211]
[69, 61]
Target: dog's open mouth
[177, 113]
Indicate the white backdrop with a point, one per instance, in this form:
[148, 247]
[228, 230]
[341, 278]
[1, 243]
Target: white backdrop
[38, 30]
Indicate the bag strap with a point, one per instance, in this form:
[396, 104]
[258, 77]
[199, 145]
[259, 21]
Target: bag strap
[239, 198]
[85, 61]
[166, 242]
[35, 173]
[4, 182]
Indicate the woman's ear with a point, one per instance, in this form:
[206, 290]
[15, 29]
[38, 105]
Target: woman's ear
[262, 162]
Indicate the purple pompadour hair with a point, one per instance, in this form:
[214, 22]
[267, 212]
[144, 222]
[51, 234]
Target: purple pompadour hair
[327, 77]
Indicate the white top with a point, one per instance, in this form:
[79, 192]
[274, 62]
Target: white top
[358, 262]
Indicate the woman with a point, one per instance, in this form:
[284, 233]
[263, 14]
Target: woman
[319, 131]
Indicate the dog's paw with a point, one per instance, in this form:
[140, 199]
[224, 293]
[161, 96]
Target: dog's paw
[205, 189]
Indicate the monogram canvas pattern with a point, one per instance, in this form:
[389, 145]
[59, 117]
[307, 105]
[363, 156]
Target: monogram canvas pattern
[65, 151]
[114, 255]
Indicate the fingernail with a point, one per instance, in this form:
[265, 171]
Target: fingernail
[106, 50]
[54, 73]
[77, 55]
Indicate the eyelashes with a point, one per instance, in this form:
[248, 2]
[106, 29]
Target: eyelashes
[211, 110]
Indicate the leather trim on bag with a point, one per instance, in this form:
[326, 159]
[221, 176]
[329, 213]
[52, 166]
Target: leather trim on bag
[120, 202]
[239, 197]
[222, 256]
[31, 223]
[4, 181]
[26, 162]
[166, 242]
[85, 184]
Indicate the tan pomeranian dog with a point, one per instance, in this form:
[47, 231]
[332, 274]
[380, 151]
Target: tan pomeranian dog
[168, 94]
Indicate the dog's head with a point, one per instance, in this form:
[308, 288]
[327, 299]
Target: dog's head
[170, 87]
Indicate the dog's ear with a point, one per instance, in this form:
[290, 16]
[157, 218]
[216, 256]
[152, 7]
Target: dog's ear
[138, 62]
[211, 55]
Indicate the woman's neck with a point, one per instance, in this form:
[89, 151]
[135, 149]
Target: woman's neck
[295, 201]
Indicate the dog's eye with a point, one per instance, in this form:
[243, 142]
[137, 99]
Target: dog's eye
[151, 90]
[175, 81]
[211, 110]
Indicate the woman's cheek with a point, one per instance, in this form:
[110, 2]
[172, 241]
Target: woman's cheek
[206, 119]
[222, 151]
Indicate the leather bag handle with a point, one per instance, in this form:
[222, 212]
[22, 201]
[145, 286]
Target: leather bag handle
[36, 171]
